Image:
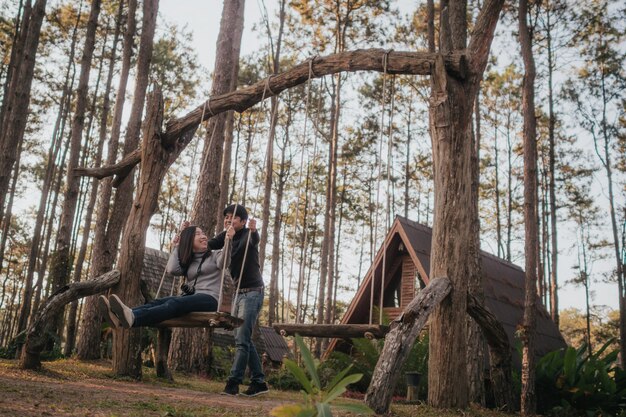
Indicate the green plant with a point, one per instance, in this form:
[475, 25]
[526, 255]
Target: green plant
[317, 400]
[283, 380]
[364, 357]
[576, 382]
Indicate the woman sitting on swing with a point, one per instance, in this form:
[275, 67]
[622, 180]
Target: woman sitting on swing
[202, 268]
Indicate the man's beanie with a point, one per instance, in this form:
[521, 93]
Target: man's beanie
[241, 211]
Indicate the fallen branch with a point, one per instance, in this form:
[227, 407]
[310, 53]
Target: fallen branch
[37, 333]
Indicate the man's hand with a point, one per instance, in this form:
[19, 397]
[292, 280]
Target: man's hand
[230, 232]
[252, 225]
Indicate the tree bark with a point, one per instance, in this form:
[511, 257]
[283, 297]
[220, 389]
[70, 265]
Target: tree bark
[500, 358]
[103, 250]
[528, 397]
[18, 95]
[475, 340]
[37, 333]
[451, 104]
[399, 342]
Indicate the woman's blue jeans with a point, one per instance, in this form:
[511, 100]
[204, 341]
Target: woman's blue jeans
[247, 307]
[167, 308]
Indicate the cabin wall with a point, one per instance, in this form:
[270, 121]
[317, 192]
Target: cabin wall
[407, 287]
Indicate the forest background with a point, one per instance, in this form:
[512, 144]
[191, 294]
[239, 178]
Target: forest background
[574, 43]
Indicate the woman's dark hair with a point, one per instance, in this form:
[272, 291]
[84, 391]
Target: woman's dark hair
[185, 247]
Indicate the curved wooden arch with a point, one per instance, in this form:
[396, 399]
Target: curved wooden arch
[410, 63]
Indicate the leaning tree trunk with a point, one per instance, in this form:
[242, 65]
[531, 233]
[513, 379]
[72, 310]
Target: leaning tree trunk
[61, 264]
[104, 251]
[36, 335]
[205, 211]
[15, 106]
[399, 342]
[528, 396]
[155, 163]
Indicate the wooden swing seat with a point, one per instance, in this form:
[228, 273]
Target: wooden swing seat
[214, 319]
[339, 331]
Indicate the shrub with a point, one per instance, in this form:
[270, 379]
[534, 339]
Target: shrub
[574, 382]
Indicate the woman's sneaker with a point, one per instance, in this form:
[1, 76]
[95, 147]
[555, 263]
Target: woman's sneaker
[106, 313]
[256, 388]
[123, 313]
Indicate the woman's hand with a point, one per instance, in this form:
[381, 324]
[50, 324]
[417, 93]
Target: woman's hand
[185, 224]
[230, 232]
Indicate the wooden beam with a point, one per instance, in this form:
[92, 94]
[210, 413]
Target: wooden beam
[401, 62]
[341, 331]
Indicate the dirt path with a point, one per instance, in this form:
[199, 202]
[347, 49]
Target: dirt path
[25, 393]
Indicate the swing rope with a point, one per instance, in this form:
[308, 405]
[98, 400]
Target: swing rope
[380, 168]
[388, 211]
[245, 253]
[297, 214]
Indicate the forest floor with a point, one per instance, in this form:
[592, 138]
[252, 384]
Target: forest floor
[73, 388]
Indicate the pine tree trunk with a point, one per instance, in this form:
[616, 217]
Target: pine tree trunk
[126, 343]
[454, 228]
[50, 216]
[61, 265]
[554, 285]
[9, 69]
[104, 115]
[475, 340]
[17, 100]
[528, 396]
[104, 251]
[205, 207]
[278, 221]
[205, 210]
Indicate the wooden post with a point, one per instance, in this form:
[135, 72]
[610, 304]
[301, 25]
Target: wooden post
[164, 336]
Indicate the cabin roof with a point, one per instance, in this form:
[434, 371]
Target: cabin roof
[503, 284]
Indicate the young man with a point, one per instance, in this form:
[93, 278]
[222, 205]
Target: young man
[248, 300]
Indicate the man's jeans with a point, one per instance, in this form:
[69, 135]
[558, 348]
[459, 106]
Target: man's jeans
[247, 307]
[167, 308]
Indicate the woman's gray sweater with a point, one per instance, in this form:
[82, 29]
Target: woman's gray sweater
[209, 275]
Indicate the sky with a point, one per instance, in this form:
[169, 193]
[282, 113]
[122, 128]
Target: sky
[202, 18]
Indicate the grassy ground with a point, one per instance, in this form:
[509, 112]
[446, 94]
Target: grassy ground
[73, 388]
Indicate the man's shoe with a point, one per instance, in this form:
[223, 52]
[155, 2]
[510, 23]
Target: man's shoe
[106, 313]
[123, 312]
[256, 388]
[231, 388]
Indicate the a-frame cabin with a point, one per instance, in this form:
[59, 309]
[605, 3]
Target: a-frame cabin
[406, 251]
